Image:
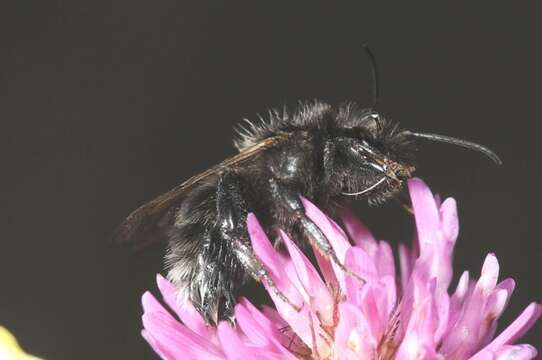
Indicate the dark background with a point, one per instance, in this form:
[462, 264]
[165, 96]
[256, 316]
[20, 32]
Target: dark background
[104, 105]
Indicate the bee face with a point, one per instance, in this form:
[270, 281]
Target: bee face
[376, 156]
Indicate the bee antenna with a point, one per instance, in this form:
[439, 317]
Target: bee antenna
[374, 74]
[459, 142]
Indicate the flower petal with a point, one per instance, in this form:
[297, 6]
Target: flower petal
[150, 304]
[262, 247]
[279, 268]
[177, 340]
[418, 342]
[334, 234]
[518, 328]
[258, 328]
[156, 346]
[235, 349]
[508, 285]
[319, 297]
[425, 212]
[359, 233]
[406, 263]
[517, 352]
[449, 219]
[384, 260]
[490, 274]
[353, 336]
[185, 310]
[507, 352]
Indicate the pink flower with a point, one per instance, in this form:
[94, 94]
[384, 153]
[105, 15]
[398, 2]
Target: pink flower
[409, 315]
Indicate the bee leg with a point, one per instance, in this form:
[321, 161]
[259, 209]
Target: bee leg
[404, 201]
[200, 259]
[213, 285]
[231, 220]
[316, 237]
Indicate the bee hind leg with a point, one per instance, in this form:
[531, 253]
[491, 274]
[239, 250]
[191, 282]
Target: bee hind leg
[200, 259]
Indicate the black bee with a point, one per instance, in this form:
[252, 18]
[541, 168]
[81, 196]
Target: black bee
[325, 154]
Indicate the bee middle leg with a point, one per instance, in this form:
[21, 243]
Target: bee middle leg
[293, 205]
[232, 211]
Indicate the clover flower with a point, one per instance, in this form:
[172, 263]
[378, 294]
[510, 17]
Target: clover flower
[405, 314]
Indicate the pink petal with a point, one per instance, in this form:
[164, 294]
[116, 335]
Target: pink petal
[160, 329]
[259, 329]
[496, 304]
[334, 234]
[518, 328]
[418, 342]
[257, 334]
[177, 340]
[374, 308]
[279, 268]
[490, 274]
[262, 328]
[318, 295]
[353, 337]
[358, 261]
[462, 288]
[413, 350]
[508, 285]
[273, 315]
[443, 309]
[464, 338]
[359, 233]
[324, 264]
[156, 346]
[389, 283]
[449, 219]
[186, 311]
[263, 247]
[150, 304]
[507, 352]
[235, 349]
[483, 355]
[283, 274]
[406, 263]
[517, 352]
[384, 261]
[425, 211]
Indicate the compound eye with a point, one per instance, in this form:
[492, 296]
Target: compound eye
[373, 122]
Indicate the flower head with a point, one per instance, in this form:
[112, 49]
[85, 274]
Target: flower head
[404, 314]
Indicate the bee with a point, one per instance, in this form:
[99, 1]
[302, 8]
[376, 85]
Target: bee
[325, 154]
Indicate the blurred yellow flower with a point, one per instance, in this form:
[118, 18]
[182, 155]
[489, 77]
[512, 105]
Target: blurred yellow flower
[10, 349]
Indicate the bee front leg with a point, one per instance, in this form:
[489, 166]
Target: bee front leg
[293, 205]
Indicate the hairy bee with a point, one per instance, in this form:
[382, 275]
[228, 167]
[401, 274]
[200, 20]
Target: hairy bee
[323, 153]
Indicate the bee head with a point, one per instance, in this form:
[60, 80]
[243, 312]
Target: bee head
[373, 158]
[376, 157]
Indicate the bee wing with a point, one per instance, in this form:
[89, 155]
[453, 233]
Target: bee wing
[146, 225]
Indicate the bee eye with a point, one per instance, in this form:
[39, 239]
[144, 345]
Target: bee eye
[373, 122]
